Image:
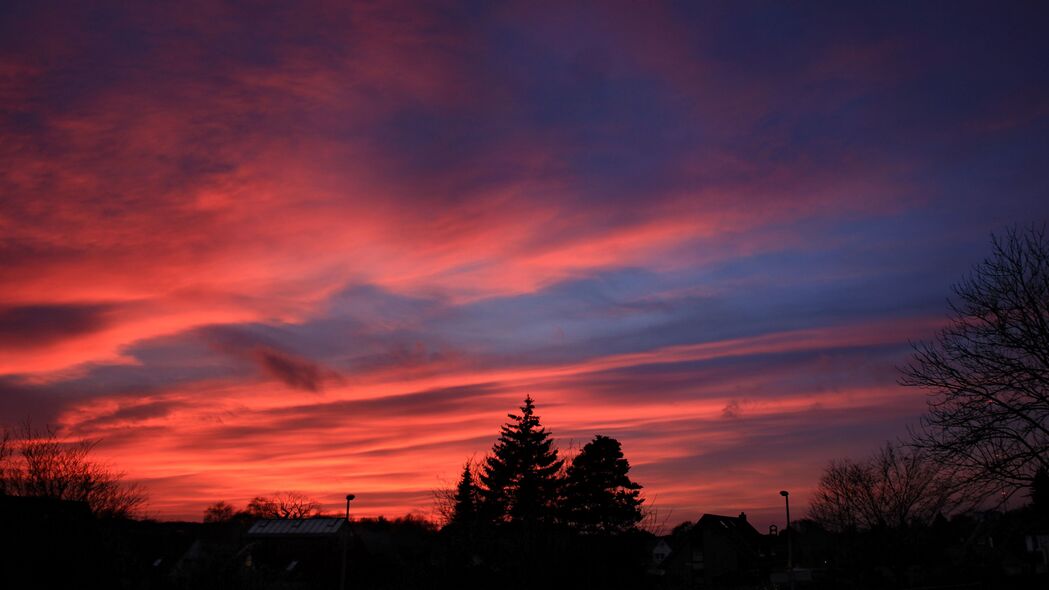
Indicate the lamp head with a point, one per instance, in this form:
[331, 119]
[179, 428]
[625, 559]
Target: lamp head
[784, 493]
[350, 497]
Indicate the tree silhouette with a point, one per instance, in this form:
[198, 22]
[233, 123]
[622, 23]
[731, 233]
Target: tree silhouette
[894, 488]
[520, 479]
[219, 512]
[40, 463]
[467, 500]
[283, 505]
[599, 496]
[987, 372]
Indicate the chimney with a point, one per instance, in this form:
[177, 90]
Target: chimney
[743, 516]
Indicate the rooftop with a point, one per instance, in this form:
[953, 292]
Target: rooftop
[306, 527]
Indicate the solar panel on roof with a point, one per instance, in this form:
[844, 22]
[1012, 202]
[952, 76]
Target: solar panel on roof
[312, 526]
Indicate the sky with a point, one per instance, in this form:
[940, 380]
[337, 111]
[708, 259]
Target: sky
[326, 247]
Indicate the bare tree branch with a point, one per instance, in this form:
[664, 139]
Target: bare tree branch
[896, 487]
[987, 372]
[40, 463]
[284, 505]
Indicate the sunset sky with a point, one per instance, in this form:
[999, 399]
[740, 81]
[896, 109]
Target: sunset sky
[327, 247]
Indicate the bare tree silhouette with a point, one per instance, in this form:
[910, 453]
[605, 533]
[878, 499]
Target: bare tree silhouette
[40, 463]
[987, 372]
[283, 505]
[894, 488]
[219, 512]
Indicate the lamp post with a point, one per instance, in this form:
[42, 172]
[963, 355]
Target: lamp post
[790, 548]
[345, 543]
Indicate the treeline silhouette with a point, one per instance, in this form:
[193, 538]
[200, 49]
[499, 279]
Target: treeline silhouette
[525, 509]
[525, 516]
[962, 502]
[287, 504]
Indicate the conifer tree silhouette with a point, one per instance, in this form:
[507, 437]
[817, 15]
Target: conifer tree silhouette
[520, 479]
[467, 500]
[599, 496]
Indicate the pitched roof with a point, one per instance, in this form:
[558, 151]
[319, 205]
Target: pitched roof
[298, 527]
[736, 525]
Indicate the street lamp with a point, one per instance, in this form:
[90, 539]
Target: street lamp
[348, 498]
[345, 543]
[790, 548]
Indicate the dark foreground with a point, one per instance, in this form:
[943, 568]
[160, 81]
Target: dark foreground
[52, 544]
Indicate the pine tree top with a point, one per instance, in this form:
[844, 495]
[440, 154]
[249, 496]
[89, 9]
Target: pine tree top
[521, 476]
